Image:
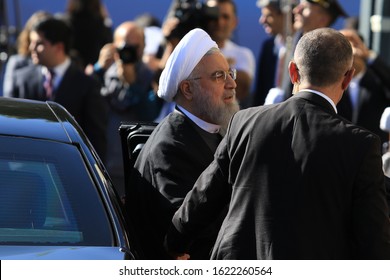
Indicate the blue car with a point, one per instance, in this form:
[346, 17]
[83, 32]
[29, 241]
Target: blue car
[56, 198]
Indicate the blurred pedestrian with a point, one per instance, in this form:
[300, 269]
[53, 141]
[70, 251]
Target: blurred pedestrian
[272, 58]
[91, 28]
[127, 90]
[53, 76]
[367, 95]
[22, 58]
[308, 15]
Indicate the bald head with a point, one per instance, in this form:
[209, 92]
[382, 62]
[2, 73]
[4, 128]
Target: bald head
[323, 56]
[127, 30]
[129, 33]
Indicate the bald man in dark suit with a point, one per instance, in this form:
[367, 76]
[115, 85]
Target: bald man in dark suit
[301, 181]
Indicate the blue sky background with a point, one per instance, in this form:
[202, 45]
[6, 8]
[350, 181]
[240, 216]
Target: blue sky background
[249, 32]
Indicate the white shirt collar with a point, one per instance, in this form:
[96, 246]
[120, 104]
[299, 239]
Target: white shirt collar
[209, 127]
[324, 96]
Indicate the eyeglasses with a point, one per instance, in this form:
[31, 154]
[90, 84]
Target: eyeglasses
[221, 76]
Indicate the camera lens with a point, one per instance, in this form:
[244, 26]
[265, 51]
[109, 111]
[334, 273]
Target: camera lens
[128, 54]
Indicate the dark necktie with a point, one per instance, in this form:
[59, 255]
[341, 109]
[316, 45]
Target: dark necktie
[48, 84]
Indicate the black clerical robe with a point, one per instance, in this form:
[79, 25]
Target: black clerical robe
[170, 162]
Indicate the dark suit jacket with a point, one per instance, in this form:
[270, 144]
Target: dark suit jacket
[77, 92]
[382, 70]
[165, 171]
[303, 183]
[373, 98]
[265, 72]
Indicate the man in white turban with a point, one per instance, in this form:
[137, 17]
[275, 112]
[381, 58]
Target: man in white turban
[198, 79]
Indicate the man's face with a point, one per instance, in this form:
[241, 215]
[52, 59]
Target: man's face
[214, 100]
[309, 16]
[222, 29]
[272, 20]
[42, 51]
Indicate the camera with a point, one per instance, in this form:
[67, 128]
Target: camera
[191, 14]
[128, 53]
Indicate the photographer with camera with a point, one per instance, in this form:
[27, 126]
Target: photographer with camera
[127, 89]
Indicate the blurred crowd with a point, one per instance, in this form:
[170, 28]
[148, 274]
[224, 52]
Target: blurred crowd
[105, 76]
[122, 66]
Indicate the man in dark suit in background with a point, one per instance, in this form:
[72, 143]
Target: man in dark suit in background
[53, 76]
[301, 181]
[368, 94]
[198, 79]
[273, 50]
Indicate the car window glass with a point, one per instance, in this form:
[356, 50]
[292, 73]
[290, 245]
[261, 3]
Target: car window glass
[47, 196]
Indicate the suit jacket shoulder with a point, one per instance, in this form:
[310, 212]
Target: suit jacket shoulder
[175, 148]
[28, 83]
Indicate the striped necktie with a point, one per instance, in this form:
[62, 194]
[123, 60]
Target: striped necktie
[48, 84]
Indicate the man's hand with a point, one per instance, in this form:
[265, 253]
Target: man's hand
[183, 257]
[106, 56]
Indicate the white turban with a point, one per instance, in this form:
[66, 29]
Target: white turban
[186, 55]
[385, 120]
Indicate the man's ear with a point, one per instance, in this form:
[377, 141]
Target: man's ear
[185, 89]
[347, 78]
[294, 73]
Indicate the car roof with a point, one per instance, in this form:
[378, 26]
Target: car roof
[37, 119]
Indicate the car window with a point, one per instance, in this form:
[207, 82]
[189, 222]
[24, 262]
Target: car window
[47, 196]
